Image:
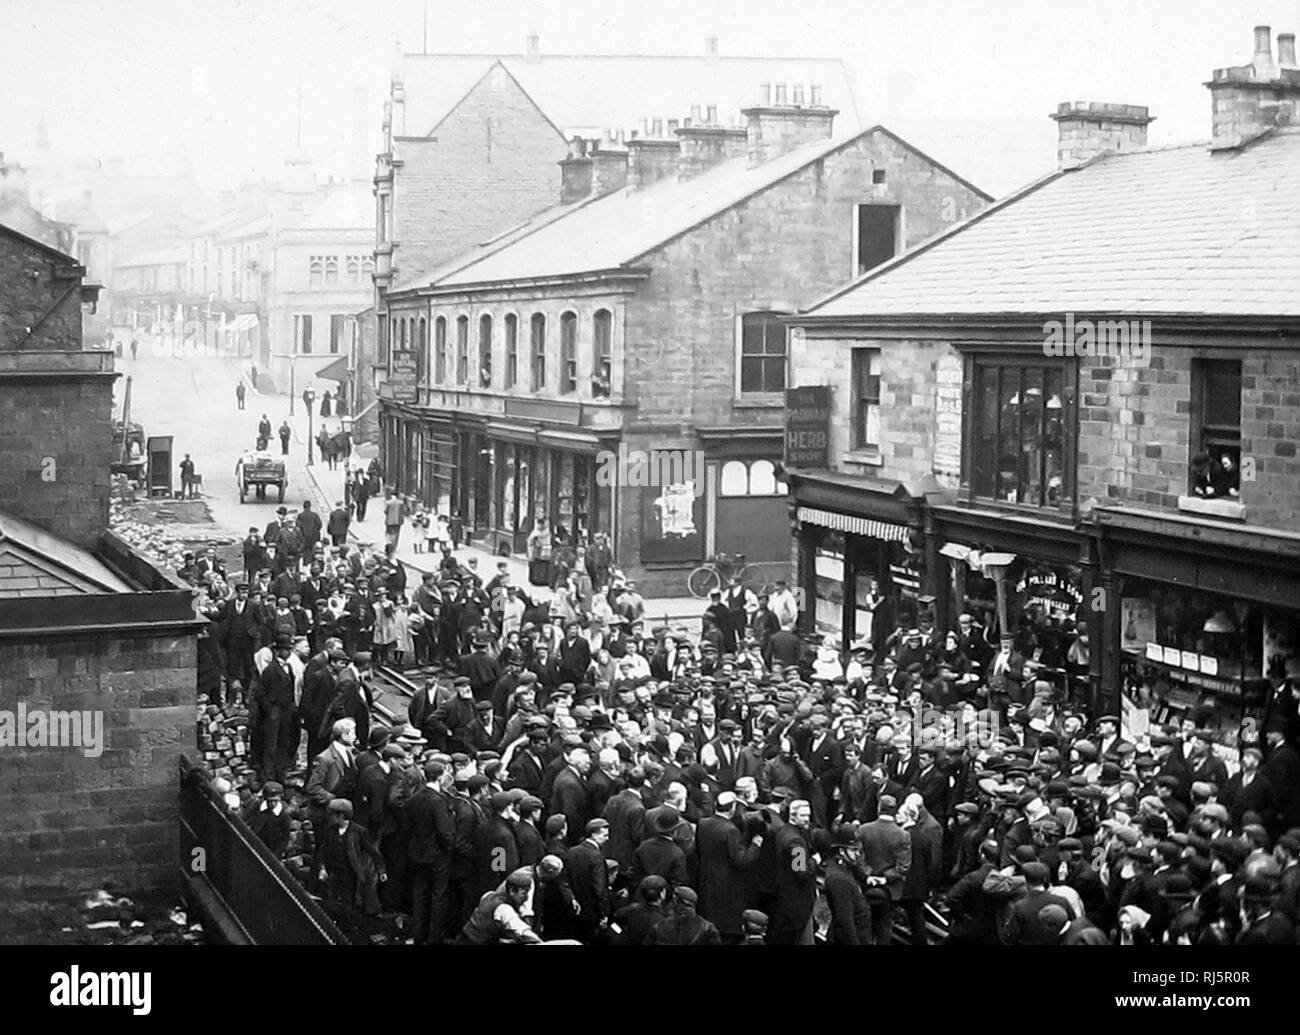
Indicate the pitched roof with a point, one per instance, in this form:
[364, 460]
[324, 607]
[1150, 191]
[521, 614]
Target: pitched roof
[616, 229]
[34, 563]
[352, 208]
[1176, 230]
[589, 93]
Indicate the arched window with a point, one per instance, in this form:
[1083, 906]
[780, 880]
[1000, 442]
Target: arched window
[512, 350]
[485, 351]
[762, 478]
[354, 270]
[462, 349]
[734, 480]
[316, 272]
[537, 338]
[368, 267]
[331, 271]
[568, 353]
[440, 350]
[602, 353]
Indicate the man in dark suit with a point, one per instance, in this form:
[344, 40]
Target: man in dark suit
[931, 783]
[482, 671]
[240, 636]
[269, 819]
[660, 855]
[495, 844]
[451, 722]
[352, 696]
[859, 795]
[825, 757]
[318, 691]
[625, 812]
[850, 915]
[721, 754]
[1203, 765]
[973, 914]
[275, 699]
[485, 731]
[569, 796]
[309, 526]
[724, 855]
[588, 877]
[603, 780]
[1021, 922]
[574, 655]
[528, 762]
[333, 773]
[337, 527]
[796, 879]
[887, 854]
[349, 865]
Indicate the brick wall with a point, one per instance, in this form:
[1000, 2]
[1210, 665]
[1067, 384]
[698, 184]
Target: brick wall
[783, 250]
[74, 821]
[1135, 432]
[490, 164]
[28, 290]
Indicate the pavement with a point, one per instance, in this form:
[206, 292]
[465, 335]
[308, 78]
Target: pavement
[192, 398]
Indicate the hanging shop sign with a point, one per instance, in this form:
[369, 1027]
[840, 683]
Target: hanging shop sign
[1056, 592]
[807, 426]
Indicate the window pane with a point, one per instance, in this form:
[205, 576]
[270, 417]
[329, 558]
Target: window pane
[1009, 438]
[984, 449]
[735, 479]
[1223, 393]
[1031, 436]
[762, 478]
[512, 350]
[752, 334]
[1053, 432]
[774, 374]
[485, 350]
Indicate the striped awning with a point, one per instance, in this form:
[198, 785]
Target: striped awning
[853, 524]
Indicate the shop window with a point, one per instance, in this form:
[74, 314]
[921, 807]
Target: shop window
[738, 478]
[602, 326]
[462, 350]
[762, 352]
[512, 350]
[485, 351]
[568, 353]
[866, 399]
[1018, 447]
[538, 342]
[1216, 393]
[440, 350]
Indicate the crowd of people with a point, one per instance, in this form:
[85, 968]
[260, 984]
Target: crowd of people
[571, 771]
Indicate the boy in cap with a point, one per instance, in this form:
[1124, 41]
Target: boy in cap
[349, 866]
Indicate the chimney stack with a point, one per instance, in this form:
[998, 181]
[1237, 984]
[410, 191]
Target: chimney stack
[1087, 129]
[777, 127]
[575, 173]
[703, 147]
[711, 48]
[1249, 100]
[650, 160]
[532, 47]
[609, 169]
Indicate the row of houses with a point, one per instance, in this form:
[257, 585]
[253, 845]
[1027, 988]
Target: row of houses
[1085, 395]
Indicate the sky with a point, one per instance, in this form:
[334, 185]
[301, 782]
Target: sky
[970, 83]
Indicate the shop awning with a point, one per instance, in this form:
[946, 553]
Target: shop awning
[853, 524]
[242, 323]
[335, 370]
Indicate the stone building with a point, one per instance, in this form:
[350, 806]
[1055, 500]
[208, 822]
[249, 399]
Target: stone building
[643, 313]
[97, 647]
[1098, 377]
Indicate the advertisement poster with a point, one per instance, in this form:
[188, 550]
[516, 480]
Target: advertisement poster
[1137, 624]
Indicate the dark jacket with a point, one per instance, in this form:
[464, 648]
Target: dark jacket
[723, 857]
[887, 852]
[659, 856]
[625, 813]
[569, 798]
[428, 817]
[584, 866]
[973, 915]
[850, 914]
[496, 850]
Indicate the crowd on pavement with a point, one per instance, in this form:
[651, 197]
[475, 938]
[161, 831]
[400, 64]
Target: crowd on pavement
[570, 772]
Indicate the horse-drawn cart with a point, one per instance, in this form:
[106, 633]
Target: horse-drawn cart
[257, 472]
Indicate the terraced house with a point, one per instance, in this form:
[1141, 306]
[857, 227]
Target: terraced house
[1090, 393]
[644, 312]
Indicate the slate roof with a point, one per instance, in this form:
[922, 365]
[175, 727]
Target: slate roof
[1177, 230]
[616, 229]
[587, 94]
[34, 563]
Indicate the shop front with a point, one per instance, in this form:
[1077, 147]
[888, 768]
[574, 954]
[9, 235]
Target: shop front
[860, 569]
[1195, 635]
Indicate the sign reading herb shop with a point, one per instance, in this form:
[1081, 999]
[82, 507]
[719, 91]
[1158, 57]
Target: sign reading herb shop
[807, 426]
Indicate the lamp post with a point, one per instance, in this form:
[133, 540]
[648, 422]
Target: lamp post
[309, 397]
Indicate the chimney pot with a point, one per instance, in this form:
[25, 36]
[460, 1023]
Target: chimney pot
[1262, 62]
[695, 114]
[1286, 50]
[765, 89]
[779, 100]
[711, 45]
[712, 116]
[532, 46]
[657, 128]
[815, 95]
[797, 100]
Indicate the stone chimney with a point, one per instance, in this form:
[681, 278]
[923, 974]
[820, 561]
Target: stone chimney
[575, 173]
[1251, 99]
[532, 47]
[711, 49]
[610, 168]
[1087, 129]
[704, 146]
[777, 125]
[650, 159]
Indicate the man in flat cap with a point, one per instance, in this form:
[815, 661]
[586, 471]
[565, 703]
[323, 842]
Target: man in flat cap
[496, 848]
[496, 917]
[432, 829]
[682, 925]
[588, 877]
[269, 819]
[349, 866]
